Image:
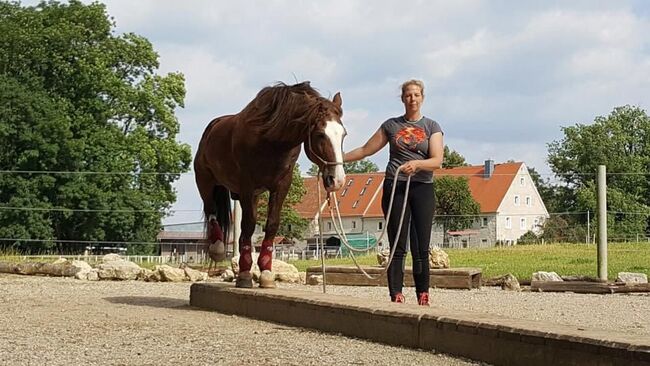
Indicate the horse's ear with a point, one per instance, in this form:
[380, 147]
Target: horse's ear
[337, 99]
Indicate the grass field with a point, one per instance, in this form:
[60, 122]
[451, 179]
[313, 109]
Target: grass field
[523, 260]
[520, 260]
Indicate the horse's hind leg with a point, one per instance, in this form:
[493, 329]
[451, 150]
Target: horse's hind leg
[215, 241]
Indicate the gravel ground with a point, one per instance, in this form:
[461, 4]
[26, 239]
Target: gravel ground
[63, 321]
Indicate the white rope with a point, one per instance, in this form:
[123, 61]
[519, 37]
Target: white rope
[341, 232]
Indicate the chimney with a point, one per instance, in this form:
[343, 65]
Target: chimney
[488, 169]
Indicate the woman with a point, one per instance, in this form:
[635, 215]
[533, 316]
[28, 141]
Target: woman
[416, 146]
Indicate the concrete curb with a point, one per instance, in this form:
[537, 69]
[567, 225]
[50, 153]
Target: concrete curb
[480, 337]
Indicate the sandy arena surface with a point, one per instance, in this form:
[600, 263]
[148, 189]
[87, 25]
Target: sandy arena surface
[63, 321]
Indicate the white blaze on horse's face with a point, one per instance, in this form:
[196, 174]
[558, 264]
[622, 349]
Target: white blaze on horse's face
[335, 132]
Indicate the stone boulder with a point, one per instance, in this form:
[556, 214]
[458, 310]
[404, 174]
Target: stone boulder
[170, 274]
[546, 276]
[315, 280]
[8, 267]
[194, 275]
[382, 257]
[438, 258]
[631, 277]
[118, 269]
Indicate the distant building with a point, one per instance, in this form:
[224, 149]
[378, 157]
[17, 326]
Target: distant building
[510, 206]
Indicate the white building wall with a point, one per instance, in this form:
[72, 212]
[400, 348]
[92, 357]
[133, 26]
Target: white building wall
[521, 210]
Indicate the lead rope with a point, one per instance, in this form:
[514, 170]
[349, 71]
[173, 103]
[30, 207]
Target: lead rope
[341, 233]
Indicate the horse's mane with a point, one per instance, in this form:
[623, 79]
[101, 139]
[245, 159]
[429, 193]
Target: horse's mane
[283, 111]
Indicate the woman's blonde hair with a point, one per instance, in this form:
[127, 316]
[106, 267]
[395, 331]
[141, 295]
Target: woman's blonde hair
[415, 82]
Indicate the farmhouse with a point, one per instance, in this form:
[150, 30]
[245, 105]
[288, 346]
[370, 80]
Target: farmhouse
[510, 206]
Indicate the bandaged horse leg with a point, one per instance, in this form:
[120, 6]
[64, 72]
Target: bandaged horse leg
[244, 277]
[265, 262]
[216, 248]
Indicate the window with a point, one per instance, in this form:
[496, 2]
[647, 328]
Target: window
[344, 192]
[329, 226]
[522, 224]
[350, 182]
[529, 201]
[522, 181]
[508, 223]
[362, 191]
[355, 204]
[380, 225]
[354, 224]
[484, 222]
[517, 200]
[369, 181]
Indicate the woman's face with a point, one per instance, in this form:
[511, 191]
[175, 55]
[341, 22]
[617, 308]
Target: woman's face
[412, 98]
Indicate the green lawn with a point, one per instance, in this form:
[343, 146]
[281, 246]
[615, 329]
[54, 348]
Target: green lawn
[520, 260]
[523, 260]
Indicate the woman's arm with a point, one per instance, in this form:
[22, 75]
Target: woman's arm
[374, 144]
[436, 152]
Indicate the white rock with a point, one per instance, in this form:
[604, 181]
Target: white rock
[546, 276]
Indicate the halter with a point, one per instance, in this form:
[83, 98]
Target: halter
[325, 162]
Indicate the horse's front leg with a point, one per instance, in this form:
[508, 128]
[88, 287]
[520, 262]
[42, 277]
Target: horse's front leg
[248, 203]
[265, 260]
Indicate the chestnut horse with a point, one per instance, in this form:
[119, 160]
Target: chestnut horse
[255, 150]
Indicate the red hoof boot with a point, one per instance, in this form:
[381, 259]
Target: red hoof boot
[423, 299]
[399, 298]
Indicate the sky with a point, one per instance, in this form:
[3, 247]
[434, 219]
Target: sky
[501, 77]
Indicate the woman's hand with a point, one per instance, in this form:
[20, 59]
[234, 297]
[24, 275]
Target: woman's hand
[410, 168]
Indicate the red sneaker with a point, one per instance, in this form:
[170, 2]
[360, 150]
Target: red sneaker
[399, 298]
[423, 299]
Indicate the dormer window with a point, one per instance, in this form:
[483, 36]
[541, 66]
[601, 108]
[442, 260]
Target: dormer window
[355, 204]
[369, 181]
[362, 191]
[350, 182]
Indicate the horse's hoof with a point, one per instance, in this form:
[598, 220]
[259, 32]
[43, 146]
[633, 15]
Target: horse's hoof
[217, 251]
[267, 279]
[244, 280]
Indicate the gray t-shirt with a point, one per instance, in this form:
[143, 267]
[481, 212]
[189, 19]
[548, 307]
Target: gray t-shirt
[409, 141]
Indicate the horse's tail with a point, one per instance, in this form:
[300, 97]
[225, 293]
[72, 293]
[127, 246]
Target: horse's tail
[221, 196]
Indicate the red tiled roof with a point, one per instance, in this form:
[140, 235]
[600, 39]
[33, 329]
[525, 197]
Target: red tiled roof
[487, 192]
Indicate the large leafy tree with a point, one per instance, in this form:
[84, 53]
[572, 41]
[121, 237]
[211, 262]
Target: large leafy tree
[621, 142]
[292, 225]
[91, 125]
[452, 158]
[456, 209]
[359, 166]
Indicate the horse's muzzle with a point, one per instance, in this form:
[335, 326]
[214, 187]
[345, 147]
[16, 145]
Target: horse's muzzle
[333, 182]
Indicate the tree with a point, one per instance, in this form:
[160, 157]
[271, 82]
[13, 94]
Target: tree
[621, 142]
[84, 107]
[456, 209]
[359, 166]
[292, 225]
[452, 159]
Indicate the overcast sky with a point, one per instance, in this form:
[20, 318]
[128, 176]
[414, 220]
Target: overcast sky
[501, 77]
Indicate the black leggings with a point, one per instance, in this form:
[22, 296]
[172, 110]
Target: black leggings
[418, 218]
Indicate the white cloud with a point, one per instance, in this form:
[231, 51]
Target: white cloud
[501, 76]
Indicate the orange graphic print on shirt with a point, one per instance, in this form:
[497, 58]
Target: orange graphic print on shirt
[410, 137]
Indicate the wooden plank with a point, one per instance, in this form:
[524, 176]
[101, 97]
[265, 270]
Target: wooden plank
[457, 278]
[572, 286]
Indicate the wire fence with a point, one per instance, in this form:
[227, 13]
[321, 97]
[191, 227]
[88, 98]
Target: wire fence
[486, 229]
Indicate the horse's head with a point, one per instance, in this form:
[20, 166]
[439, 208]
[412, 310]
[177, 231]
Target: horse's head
[324, 146]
